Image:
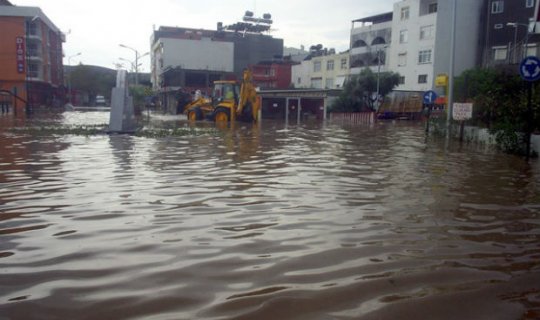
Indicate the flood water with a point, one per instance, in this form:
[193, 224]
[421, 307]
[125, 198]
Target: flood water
[310, 221]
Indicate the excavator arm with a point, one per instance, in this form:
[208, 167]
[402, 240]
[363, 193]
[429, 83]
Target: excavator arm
[248, 104]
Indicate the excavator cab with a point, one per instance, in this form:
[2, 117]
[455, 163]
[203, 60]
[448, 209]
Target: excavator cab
[225, 91]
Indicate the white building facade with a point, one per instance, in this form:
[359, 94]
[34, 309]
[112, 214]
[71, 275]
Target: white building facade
[412, 50]
[414, 40]
[321, 72]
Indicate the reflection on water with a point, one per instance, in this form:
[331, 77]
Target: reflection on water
[318, 221]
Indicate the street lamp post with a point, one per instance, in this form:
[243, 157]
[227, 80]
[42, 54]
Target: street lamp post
[378, 76]
[69, 78]
[137, 57]
[516, 25]
[133, 68]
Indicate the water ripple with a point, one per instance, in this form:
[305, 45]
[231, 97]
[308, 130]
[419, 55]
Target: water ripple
[299, 222]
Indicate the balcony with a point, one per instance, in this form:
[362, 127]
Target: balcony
[34, 54]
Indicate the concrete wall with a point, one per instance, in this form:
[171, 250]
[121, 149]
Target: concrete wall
[198, 54]
[467, 30]
[482, 135]
[300, 74]
[12, 27]
[252, 49]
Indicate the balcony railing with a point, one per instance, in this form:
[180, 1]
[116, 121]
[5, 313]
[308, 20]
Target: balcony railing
[34, 54]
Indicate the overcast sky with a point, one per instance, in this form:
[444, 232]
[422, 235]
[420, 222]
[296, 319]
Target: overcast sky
[97, 27]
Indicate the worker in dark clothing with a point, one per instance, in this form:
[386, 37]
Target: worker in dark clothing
[4, 102]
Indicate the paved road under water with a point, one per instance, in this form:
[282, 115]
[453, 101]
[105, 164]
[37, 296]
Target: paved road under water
[299, 222]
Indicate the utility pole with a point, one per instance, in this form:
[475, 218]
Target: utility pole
[451, 68]
[69, 77]
[137, 57]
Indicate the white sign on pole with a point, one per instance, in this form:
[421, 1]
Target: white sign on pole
[462, 111]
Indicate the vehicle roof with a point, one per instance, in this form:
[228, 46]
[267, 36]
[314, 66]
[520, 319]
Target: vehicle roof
[226, 81]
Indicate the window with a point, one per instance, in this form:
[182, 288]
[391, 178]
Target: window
[316, 66]
[500, 53]
[299, 80]
[531, 50]
[402, 80]
[316, 83]
[432, 8]
[405, 13]
[330, 65]
[329, 83]
[424, 56]
[497, 6]
[344, 64]
[426, 32]
[402, 59]
[529, 3]
[403, 36]
[422, 78]
[33, 70]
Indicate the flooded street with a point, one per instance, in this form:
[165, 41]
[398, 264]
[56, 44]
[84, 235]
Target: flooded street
[317, 221]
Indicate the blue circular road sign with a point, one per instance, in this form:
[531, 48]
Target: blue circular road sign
[529, 69]
[429, 97]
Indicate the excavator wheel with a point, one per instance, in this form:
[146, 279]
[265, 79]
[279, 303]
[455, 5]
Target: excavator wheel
[195, 114]
[222, 115]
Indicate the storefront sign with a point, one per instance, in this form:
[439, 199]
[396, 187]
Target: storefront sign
[441, 80]
[462, 111]
[20, 54]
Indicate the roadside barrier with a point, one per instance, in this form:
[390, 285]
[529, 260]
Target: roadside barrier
[353, 117]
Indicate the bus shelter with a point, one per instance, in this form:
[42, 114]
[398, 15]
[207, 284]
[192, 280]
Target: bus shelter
[297, 105]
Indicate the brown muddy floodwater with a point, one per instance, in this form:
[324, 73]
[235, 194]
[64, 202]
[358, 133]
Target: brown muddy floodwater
[274, 222]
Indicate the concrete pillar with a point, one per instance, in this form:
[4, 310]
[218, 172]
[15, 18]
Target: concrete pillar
[287, 110]
[299, 111]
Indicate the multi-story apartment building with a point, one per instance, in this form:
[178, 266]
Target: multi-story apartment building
[321, 70]
[414, 41]
[193, 58]
[508, 35]
[31, 55]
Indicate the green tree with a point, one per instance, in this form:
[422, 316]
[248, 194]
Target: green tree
[139, 93]
[360, 91]
[500, 103]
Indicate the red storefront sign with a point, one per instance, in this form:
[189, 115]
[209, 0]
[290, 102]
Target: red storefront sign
[20, 54]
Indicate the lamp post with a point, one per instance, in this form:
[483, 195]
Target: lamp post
[137, 57]
[516, 25]
[69, 78]
[378, 76]
[133, 68]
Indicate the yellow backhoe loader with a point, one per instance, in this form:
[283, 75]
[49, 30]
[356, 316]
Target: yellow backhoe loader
[229, 102]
